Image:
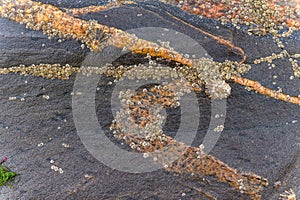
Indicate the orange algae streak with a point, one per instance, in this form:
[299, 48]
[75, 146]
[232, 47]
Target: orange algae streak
[55, 22]
[265, 91]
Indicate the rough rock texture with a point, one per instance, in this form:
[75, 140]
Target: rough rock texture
[261, 135]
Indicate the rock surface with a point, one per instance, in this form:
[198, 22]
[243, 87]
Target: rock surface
[261, 135]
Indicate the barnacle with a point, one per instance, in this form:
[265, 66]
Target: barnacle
[141, 128]
[288, 195]
[139, 122]
[262, 16]
[217, 89]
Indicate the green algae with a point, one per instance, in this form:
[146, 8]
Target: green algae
[7, 177]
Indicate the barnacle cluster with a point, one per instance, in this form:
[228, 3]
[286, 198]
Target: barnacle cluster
[140, 120]
[261, 16]
[283, 54]
[55, 22]
[278, 18]
[139, 124]
[50, 71]
[288, 195]
[203, 72]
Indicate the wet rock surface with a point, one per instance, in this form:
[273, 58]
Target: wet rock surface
[261, 135]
